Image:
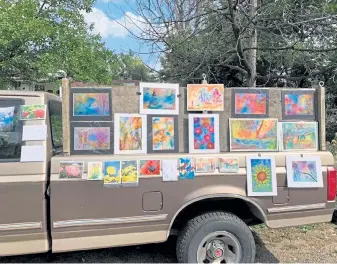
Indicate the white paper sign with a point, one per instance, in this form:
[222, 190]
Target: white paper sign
[170, 171]
[33, 153]
[34, 132]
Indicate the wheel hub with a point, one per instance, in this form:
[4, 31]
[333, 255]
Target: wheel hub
[215, 249]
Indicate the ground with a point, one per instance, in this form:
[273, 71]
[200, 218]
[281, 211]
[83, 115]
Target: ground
[311, 243]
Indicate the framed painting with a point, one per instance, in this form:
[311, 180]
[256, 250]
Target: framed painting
[130, 133]
[71, 169]
[298, 104]
[90, 104]
[149, 168]
[304, 172]
[159, 98]
[298, 136]
[205, 165]
[91, 138]
[112, 173]
[203, 133]
[228, 164]
[33, 112]
[250, 102]
[261, 176]
[163, 134]
[253, 134]
[186, 168]
[94, 171]
[205, 97]
[129, 172]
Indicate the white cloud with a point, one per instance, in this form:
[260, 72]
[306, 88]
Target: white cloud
[107, 27]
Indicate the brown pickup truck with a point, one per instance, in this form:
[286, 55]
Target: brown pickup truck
[211, 215]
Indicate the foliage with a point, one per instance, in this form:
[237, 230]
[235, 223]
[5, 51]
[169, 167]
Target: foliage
[133, 68]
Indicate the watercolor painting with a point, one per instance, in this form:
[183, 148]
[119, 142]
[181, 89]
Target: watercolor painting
[163, 133]
[149, 168]
[228, 165]
[129, 172]
[261, 176]
[94, 171]
[304, 172]
[205, 97]
[7, 121]
[204, 133]
[247, 103]
[130, 133]
[91, 104]
[112, 172]
[159, 98]
[186, 168]
[298, 136]
[298, 104]
[205, 165]
[70, 170]
[253, 134]
[32, 112]
[91, 138]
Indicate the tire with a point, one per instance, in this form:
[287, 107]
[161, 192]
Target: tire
[220, 225]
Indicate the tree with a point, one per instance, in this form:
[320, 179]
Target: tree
[133, 68]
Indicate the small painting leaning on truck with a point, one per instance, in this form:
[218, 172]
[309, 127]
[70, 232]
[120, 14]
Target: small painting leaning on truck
[228, 164]
[112, 173]
[32, 112]
[71, 170]
[129, 172]
[186, 168]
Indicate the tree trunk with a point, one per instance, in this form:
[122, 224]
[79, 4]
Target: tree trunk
[252, 43]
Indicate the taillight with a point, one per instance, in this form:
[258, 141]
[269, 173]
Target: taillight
[331, 184]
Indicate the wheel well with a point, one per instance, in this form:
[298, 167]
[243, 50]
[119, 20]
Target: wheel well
[245, 210]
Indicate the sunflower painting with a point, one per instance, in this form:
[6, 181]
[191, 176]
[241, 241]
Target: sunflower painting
[261, 176]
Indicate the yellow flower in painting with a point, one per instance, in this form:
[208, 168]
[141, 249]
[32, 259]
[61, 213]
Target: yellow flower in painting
[261, 175]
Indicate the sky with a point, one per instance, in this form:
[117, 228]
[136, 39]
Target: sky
[107, 16]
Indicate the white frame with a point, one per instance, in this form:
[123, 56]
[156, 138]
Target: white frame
[117, 134]
[226, 171]
[150, 176]
[95, 162]
[290, 180]
[200, 172]
[253, 150]
[174, 86]
[280, 135]
[250, 191]
[191, 134]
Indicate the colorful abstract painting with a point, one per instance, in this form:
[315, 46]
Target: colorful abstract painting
[112, 172]
[228, 165]
[298, 104]
[261, 176]
[149, 168]
[130, 133]
[91, 104]
[186, 168]
[159, 98]
[253, 134]
[32, 112]
[250, 103]
[7, 122]
[203, 133]
[163, 133]
[205, 165]
[304, 172]
[298, 136]
[91, 138]
[129, 172]
[205, 97]
[70, 170]
[94, 171]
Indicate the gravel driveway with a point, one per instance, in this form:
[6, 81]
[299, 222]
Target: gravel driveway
[314, 243]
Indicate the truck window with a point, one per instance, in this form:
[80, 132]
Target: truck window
[10, 129]
[55, 116]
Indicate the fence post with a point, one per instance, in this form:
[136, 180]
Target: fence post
[65, 116]
[322, 114]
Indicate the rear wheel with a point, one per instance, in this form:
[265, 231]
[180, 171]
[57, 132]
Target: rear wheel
[216, 237]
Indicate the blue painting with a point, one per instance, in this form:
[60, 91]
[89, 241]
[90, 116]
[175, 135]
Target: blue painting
[159, 98]
[7, 119]
[186, 168]
[91, 104]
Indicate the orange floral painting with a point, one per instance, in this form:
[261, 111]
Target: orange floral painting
[163, 133]
[205, 97]
[150, 168]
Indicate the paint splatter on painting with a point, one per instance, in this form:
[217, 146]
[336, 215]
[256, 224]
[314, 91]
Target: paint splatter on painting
[253, 134]
[112, 172]
[204, 165]
[186, 168]
[129, 171]
[299, 104]
[91, 104]
[159, 98]
[299, 135]
[31, 112]
[7, 119]
[261, 171]
[250, 103]
[304, 171]
[94, 171]
[163, 133]
[228, 164]
[91, 138]
[130, 135]
[204, 135]
[208, 97]
[150, 167]
[70, 170]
